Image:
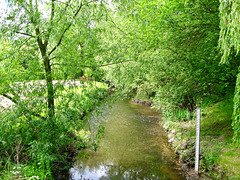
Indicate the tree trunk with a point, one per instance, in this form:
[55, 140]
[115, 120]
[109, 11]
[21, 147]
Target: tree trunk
[48, 78]
[50, 89]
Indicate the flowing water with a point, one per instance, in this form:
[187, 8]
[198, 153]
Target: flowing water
[134, 146]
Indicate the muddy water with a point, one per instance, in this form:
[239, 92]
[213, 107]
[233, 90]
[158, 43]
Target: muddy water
[134, 147]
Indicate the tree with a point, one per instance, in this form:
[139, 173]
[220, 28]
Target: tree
[173, 48]
[42, 41]
[229, 42]
[43, 25]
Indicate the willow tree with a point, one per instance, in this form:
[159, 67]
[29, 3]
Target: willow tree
[229, 42]
[37, 39]
[43, 25]
[173, 45]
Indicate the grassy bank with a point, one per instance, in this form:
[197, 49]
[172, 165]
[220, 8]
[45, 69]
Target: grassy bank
[219, 157]
[32, 149]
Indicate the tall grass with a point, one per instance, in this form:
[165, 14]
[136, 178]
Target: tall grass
[177, 114]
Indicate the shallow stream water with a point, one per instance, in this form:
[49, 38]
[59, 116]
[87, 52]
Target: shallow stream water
[134, 146]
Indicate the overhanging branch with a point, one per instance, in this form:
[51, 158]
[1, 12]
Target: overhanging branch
[24, 109]
[89, 66]
[114, 63]
[25, 34]
[10, 98]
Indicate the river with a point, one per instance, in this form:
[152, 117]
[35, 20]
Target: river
[134, 146]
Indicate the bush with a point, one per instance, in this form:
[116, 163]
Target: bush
[38, 147]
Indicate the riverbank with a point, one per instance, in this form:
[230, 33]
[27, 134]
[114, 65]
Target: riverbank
[219, 157]
[32, 149]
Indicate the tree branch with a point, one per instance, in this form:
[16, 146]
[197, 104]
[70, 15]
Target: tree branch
[67, 4]
[37, 30]
[117, 27]
[24, 42]
[50, 24]
[89, 66]
[10, 98]
[114, 63]
[114, 24]
[65, 30]
[52, 58]
[23, 33]
[24, 109]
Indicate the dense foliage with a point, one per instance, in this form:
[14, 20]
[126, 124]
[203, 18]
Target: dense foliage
[48, 51]
[37, 147]
[173, 48]
[230, 44]
[163, 51]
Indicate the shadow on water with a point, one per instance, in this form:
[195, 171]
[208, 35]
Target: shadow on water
[134, 147]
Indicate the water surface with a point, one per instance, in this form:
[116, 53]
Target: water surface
[134, 147]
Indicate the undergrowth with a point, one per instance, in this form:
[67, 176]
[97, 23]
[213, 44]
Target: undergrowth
[219, 157]
[33, 148]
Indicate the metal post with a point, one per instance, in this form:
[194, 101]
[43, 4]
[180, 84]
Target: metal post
[197, 140]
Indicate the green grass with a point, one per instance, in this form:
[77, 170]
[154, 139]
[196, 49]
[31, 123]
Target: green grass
[230, 160]
[217, 148]
[217, 121]
[216, 135]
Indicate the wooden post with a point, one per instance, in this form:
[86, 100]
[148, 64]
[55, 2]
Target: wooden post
[197, 140]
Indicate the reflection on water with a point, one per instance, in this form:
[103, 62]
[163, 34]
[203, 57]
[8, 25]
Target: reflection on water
[134, 147]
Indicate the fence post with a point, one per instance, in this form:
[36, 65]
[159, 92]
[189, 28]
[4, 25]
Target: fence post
[197, 140]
